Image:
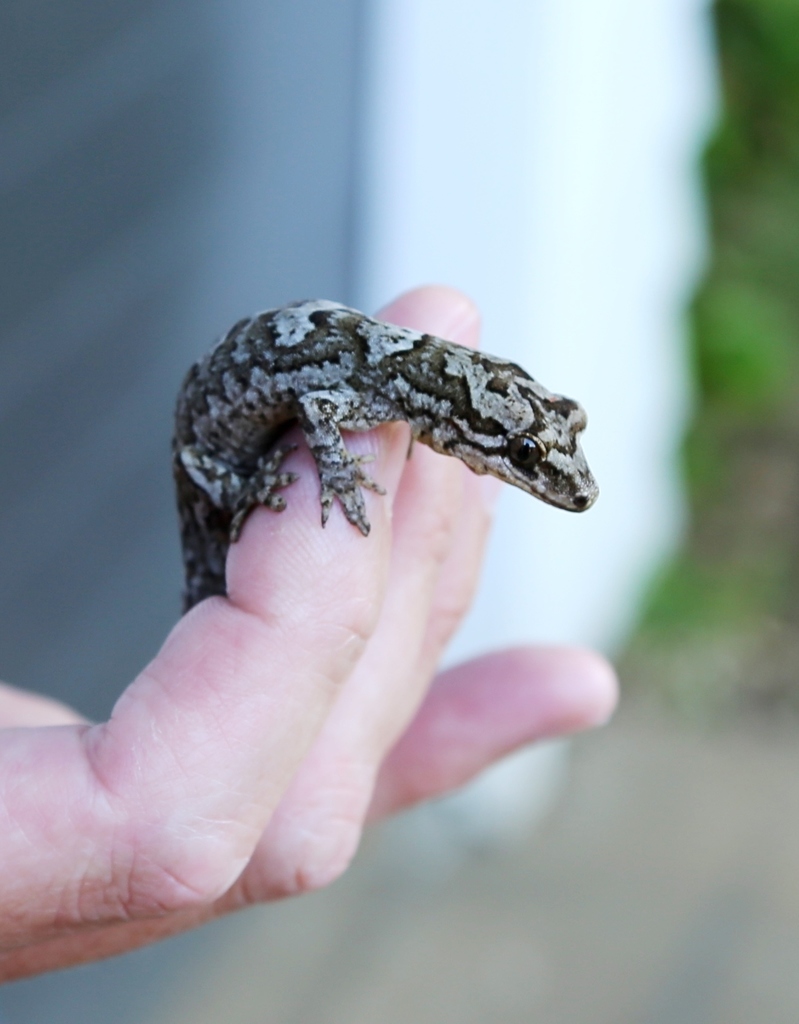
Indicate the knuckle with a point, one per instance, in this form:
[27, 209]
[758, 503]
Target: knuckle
[314, 876]
[146, 884]
[328, 838]
[318, 869]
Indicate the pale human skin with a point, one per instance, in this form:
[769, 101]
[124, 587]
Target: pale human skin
[243, 762]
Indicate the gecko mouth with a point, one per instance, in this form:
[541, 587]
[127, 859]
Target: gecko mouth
[571, 501]
[585, 499]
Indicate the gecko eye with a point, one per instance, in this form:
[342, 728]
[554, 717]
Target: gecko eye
[525, 451]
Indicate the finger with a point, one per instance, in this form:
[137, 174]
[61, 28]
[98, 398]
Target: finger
[459, 576]
[317, 827]
[95, 943]
[457, 573]
[315, 831]
[442, 311]
[22, 708]
[477, 712]
[438, 526]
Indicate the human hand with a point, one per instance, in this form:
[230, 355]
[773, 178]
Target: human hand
[241, 765]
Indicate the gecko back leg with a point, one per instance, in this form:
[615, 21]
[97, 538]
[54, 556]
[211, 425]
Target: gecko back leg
[216, 502]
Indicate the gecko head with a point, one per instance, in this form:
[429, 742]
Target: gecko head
[529, 437]
[545, 458]
[503, 422]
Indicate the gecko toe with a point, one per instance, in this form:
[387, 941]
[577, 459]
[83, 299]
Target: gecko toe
[237, 523]
[373, 485]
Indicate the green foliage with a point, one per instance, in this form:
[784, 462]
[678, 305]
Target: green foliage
[715, 618]
[759, 58]
[745, 347]
[708, 597]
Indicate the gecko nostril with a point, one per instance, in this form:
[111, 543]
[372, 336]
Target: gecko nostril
[581, 501]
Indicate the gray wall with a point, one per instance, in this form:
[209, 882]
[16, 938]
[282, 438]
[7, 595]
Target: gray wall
[164, 168]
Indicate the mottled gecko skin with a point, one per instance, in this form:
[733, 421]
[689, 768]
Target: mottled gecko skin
[328, 368]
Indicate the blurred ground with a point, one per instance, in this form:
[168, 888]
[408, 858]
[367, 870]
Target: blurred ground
[663, 889]
[721, 635]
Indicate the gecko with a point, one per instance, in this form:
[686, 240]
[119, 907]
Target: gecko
[329, 368]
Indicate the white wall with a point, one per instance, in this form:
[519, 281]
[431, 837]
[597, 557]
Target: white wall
[540, 155]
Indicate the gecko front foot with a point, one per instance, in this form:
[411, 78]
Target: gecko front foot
[262, 487]
[343, 479]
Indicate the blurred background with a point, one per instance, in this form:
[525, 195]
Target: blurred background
[616, 184]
